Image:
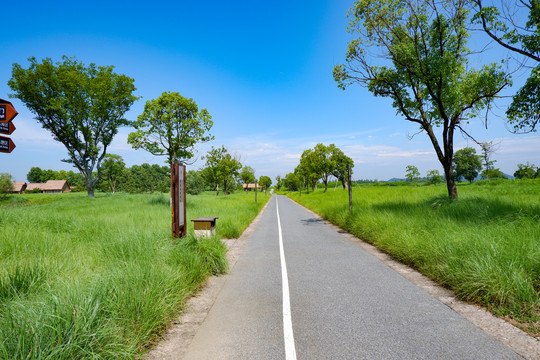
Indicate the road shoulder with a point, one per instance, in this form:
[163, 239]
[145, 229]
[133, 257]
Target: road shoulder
[182, 331]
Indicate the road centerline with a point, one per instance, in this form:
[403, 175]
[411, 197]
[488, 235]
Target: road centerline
[290, 351]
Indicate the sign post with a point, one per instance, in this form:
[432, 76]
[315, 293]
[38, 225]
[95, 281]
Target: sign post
[6, 145]
[7, 114]
[178, 199]
[7, 128]
[7, 111]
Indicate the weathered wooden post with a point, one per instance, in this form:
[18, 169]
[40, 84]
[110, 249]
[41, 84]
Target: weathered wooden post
[178, 199]
[349, 186]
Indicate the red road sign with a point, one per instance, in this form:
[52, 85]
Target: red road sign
[7, 111]
[6, 145]
[7, 128]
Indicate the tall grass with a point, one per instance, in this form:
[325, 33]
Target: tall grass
[101, 278]
[484, 246]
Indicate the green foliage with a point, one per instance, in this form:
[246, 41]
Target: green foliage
[484, 247]
[113, 167]
[493, 174]
[292, 182]
[412, 173]
[145, 178]
[265, 181]
[434, 177]
[509, 30]
[221, 168]
[247, 174]
[82, 107]
[194, 182]
[426, 73]
[341, 164]
[526, 171]
[6, 184]
[279, 182]
[467, 164]
[171, 125]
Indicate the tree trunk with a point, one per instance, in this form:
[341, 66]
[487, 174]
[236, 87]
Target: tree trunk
[217, 189]
[450, 182]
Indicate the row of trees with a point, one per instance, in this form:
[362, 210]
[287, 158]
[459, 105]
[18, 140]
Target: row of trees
[318, 164]
[425, 64]
[84, 106]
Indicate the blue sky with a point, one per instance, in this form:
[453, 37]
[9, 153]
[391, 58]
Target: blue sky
[262, 69]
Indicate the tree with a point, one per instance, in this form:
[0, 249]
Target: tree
[82, 107]
[292, 181]
[279, 182]
[425, 70]
[310, 169]
[467, 164]
[222, 167]
[341, 164]
[434, 177]
[35, 175]
[266, 182]
[6, 184]
[194, 182]
[493, 174]
[488, 149]
[508, 29]
[412, 173]
[324, 162]
[171, 125]
[247, 174]
[526, 171]
[112, 168]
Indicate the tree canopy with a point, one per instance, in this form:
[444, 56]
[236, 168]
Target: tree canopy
[171, 125]
[6, 184]
[82, 106]
[467, 164]
[221, 167]
[424, 67]
[505, 24]
[113, 168]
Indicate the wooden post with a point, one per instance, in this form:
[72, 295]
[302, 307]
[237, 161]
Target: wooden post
[255, 191]
[350, 187]
[178, 199]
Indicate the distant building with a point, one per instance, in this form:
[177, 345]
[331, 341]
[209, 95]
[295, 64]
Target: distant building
[251, 187]
[18, 187]
[50, 187]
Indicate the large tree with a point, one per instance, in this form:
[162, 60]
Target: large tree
[247, 174]
[467, 164]
[309, 169]
[504, 22]
[82, 106]
[424, 70]
[221, 167]
[266, 182]
[341, 164]
[171, 125]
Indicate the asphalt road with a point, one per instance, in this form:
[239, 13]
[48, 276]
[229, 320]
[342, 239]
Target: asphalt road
[344, 303]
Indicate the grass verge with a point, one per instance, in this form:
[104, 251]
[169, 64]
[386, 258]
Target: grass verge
[484, 246]
[102, 278]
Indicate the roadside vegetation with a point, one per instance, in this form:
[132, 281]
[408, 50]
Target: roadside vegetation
[102, 277]
[485, 247]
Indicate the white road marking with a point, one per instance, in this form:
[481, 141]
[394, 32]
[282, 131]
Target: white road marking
[290, 351]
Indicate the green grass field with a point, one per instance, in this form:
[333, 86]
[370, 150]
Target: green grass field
[101, 278]
[485, 246]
